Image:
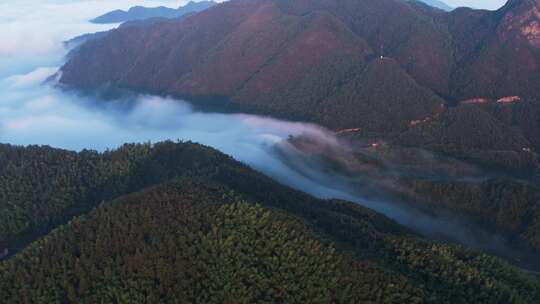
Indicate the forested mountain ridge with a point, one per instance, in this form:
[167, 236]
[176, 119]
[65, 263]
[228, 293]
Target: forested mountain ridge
[386, 67]
[504, 205]
[42, 187]
[203, 228]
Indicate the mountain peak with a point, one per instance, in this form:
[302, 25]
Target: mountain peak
[522, 17]
[521, 6]
[521, 2]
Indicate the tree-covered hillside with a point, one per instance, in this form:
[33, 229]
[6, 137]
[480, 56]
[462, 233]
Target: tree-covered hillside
[394, 69]
[186, 224]
[41, 187]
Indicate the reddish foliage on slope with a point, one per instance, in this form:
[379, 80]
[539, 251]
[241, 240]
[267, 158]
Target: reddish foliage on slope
[318, 60]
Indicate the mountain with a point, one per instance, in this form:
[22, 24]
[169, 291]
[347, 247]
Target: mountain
[142, 13]
[387, 75]
[183, 223]
[437, 4]
[386, 67]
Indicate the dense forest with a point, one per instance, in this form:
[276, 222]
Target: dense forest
[42, 187]
[507, 206]
[502, 203]
[182, 223]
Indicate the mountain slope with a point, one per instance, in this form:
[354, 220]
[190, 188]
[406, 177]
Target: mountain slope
[295, 37]
[434, 48]
[230, 233]
[468, 197]
[303, 60]
[183, 239]
[507, 53]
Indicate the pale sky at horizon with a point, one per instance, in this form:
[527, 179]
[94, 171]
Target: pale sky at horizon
[487, 4]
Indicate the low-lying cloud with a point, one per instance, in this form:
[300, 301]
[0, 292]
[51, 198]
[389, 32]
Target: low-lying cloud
[34, 112]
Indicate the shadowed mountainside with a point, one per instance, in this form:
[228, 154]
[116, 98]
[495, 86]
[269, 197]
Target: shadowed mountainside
[390, 68]
[509, 208]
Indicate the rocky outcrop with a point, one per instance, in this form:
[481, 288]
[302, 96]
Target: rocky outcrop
[521, 18]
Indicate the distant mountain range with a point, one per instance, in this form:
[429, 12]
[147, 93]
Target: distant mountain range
[141, 13]
[438, 4]
[138, 16]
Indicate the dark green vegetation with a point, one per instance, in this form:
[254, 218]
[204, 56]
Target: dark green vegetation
[504, 206]
[507, 206]
[499, 203]
[186, 224]
[42, 187]
[497, 136]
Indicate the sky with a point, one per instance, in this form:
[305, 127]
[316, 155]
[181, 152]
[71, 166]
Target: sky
[487, 4]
